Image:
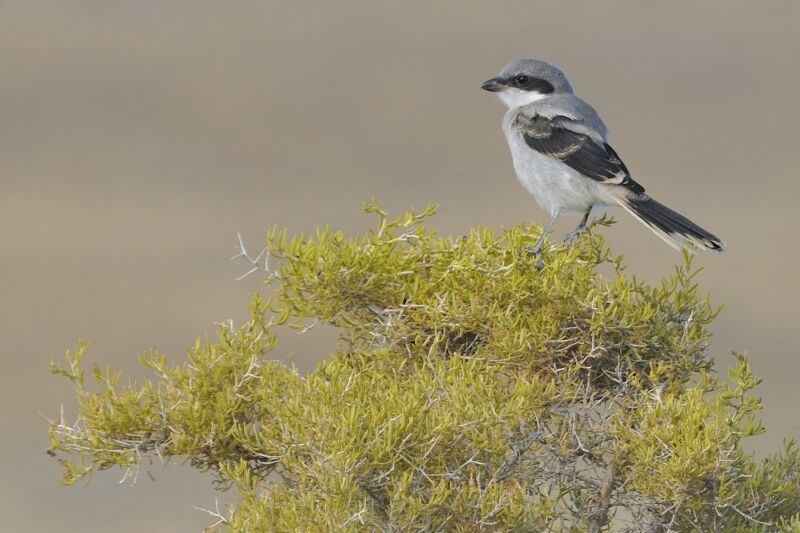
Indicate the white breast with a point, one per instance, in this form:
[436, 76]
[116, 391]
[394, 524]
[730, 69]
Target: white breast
[556, 187]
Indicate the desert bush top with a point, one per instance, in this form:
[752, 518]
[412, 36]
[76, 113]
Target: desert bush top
[468, 391]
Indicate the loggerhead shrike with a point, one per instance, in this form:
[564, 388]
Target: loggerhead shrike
[562, 156]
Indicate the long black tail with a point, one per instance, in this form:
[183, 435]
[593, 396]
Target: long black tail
[677, 230]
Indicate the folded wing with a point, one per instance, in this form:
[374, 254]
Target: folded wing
[569, 140]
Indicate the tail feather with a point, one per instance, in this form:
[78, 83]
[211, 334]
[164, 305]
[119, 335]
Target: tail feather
[677, 230]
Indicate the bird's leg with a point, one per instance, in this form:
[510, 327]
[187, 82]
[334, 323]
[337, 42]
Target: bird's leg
[536, 249]
[572, 235]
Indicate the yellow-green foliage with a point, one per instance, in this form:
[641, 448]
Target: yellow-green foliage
[469, 391]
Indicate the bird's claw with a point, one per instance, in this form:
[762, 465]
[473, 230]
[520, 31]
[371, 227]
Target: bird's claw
[535, 251]
[572, 235]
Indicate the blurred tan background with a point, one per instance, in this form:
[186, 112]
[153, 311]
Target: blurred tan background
[137, 138]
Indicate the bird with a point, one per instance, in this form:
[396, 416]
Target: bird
[562, 157]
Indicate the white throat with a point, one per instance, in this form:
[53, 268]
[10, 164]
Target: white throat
[514, 97]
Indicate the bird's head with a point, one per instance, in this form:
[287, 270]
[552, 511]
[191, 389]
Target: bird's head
[524, 81]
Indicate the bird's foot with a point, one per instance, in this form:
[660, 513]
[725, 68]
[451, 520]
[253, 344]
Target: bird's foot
[535, 251]
[574, 234]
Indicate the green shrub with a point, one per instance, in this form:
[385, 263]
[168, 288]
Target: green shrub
[469, 391]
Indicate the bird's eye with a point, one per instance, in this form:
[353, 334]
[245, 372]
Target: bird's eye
[522, 79]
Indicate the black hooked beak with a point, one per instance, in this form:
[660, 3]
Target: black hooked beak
[493, 85]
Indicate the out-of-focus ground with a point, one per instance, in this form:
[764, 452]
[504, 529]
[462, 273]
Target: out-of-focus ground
[137, 138]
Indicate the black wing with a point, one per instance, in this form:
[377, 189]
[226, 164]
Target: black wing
[554, 138]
